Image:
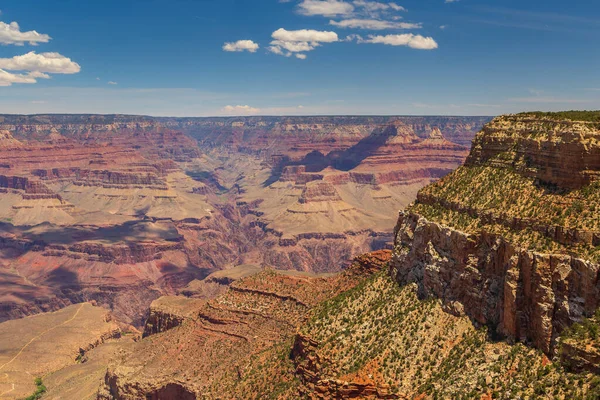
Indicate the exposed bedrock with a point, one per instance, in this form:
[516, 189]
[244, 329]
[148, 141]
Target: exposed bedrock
[524, 295]
[564, 153]
[319, 191]
[169, 312]
[309, 364]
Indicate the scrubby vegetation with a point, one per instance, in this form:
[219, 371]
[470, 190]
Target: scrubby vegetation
[381, 333]
[39, 391]
[586, 116]
[504, 202]
[587, 331]
[268, 375]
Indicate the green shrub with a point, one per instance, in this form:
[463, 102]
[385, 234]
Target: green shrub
[39, 391]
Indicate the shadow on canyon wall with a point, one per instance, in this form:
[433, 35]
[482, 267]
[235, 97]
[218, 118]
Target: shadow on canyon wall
[346, 160]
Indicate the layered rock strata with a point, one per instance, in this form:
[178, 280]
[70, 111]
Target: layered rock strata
[503, 252]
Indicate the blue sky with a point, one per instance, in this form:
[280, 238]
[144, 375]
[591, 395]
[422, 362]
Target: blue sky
[298, 57]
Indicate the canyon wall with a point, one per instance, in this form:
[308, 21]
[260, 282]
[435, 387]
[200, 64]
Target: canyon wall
[509, 239]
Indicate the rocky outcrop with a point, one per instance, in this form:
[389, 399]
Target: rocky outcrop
[160, 321]
[580, 357]
[522, 294]
[567, 236]
[7, 140]
[114, 390]
[319, 192]
[169, 312]
[525, 266]
[561, 152]
[24, 184]
[308, 367]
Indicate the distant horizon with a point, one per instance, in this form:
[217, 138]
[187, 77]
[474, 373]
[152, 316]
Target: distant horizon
[283, 116]
[258, 116]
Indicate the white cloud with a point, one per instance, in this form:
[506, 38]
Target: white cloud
[353, 37]
[305, 35]
[286, 43]
[247, 110]
[241, 45]
[276, 50]
[112, 83]
[240, 110]
[11, 34]
[451, 1]
[327, 8]
[396, 7]
[406, 39]
[8, 78]
[53, 63]
[301, 56]
[373, 24]
[292, 47]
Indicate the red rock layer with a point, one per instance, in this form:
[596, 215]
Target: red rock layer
[319, 192]
[563, 153]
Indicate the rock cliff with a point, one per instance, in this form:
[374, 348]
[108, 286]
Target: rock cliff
[510, 239]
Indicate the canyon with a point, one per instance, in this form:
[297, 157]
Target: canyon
[490, 288]
[121, 209]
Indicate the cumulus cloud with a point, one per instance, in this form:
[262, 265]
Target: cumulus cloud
[286, 43]
[240, 110]
[293, 47]
[8, 78]
[11, 34]
[112, 83]
[241, 45]
[53, 63]
[359, 14]
[305, 35]
[327, 8]
[301, 56]
[373, 24]
[406, 39]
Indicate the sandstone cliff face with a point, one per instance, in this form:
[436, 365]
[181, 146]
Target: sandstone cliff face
[494, 245]
[565, 153]
[525, 295]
